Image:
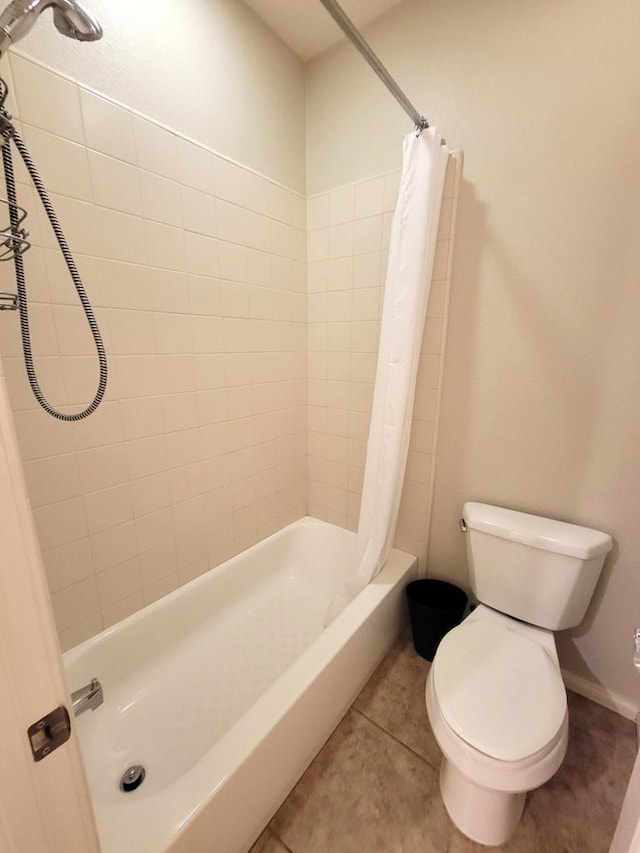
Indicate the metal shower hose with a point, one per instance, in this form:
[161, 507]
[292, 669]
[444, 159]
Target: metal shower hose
[9, 132]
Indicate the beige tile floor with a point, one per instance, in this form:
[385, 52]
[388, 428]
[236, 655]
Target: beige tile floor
[373, 788]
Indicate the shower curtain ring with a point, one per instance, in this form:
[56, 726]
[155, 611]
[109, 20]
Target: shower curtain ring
[423, 124]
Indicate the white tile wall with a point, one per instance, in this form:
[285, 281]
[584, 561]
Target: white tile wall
[197, 270]
[348, 234]
[241, 323]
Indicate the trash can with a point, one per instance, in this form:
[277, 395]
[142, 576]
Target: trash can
[435, 607]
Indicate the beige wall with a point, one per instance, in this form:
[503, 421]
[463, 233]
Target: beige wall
[196, 269]
[210, 70]
[541, 406]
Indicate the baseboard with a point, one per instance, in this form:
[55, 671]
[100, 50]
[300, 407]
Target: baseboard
[601, 695]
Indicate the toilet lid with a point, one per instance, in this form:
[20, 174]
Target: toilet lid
[499, 691]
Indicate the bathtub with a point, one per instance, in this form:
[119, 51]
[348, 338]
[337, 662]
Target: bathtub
[226, 689]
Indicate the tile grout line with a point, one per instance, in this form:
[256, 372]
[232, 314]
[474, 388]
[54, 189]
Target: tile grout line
[409, 749]
[278, 839]
[394, 738]
[288, 849]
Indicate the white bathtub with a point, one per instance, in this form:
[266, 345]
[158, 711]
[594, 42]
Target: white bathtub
[226, 689]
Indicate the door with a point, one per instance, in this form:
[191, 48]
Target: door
[45, 806]
[627, 834]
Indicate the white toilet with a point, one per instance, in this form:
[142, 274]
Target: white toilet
[495, 697]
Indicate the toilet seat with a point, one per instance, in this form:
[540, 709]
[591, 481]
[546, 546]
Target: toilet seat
[499, 691]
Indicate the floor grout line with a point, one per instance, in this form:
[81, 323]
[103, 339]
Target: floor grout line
[456, 838]
[427, 761]
[393, 737]
[279, 840]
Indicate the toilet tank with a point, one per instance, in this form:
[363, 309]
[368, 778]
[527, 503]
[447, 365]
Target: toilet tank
[535, 569]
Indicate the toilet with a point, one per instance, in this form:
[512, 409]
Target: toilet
[495, 696]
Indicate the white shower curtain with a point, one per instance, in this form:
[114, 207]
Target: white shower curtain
[408, 282]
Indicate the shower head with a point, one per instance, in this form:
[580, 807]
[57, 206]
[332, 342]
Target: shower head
[68, 16]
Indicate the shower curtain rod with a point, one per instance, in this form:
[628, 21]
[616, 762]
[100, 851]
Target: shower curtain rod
[355, 37]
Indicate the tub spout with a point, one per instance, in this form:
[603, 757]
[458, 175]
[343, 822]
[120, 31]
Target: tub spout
[88, 697]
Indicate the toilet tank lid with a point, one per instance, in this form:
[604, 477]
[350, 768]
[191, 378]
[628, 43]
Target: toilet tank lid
[544, 533]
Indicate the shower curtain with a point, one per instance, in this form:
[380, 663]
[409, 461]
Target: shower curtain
[408, 282]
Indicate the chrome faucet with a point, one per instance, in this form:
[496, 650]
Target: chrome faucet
[88, 697]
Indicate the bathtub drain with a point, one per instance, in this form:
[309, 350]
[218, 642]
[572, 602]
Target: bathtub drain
[132, 778]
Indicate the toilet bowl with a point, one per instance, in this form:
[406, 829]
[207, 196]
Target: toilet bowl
[498, 711]
[495, 697]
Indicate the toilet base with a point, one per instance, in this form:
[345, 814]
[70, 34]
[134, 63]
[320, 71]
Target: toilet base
[483, 815]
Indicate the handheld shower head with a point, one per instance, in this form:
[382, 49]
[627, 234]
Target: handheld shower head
[68, 16]
[73, 21]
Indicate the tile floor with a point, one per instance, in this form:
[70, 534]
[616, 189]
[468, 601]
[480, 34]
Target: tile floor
[373, 788]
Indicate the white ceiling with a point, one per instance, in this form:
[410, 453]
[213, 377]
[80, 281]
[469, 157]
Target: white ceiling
[307, 27]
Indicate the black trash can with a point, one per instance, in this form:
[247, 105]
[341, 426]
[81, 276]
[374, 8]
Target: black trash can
[435, 607]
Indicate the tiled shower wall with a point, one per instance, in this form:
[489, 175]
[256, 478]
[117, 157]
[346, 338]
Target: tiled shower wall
[196, 269]
[347, 243]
